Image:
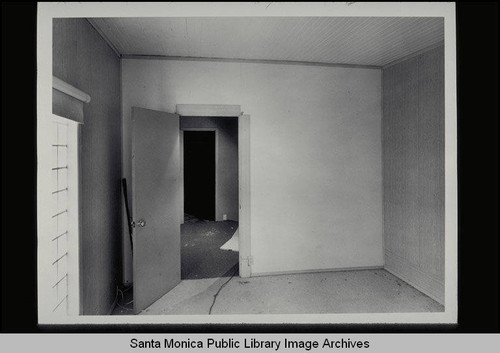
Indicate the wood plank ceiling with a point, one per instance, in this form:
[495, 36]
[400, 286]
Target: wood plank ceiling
[374, 41]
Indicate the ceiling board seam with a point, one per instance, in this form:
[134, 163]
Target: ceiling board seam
[249, 61]
[104, 37]
[418, 47]
[418, 52]
[320, 41]
[371, 42]
[375, 35]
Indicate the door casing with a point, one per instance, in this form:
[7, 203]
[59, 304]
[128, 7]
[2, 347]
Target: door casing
[230, 111]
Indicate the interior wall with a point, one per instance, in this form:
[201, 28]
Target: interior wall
[413, 164]
[315, 152]
[226, 179]
[84, 60]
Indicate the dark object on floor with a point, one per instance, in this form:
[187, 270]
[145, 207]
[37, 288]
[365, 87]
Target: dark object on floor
[201, 256]
[129, 219]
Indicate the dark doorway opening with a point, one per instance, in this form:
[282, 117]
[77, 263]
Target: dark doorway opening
[199, 174]
[209, 233]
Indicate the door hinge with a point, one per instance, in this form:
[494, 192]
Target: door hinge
[248, 260]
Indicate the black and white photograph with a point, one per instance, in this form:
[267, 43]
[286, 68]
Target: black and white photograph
[240, 163]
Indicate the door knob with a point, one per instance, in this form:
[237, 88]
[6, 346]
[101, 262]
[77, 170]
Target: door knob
[141, 223]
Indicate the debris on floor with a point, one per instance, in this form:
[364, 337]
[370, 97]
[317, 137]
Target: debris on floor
[211, 232]
[124, 301]
[233, 243]
[190, 218]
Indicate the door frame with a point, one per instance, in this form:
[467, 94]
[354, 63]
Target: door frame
[181, 140]
[231, 111]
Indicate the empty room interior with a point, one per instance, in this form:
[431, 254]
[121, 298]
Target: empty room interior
[245, 165]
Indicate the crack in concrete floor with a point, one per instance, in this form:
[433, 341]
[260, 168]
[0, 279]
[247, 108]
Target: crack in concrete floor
[216, 294]
[364, 291]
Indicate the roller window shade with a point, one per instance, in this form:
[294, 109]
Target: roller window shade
[67, 106]
[67, 100]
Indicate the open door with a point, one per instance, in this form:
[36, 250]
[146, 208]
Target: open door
[155, 205]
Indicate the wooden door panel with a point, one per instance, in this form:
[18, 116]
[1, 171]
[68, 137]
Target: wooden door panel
[156, 200]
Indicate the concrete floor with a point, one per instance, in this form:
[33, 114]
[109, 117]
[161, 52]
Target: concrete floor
[211, 285]
[364, 291]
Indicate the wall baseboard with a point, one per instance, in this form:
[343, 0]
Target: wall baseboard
[276, 273]
[424, 282]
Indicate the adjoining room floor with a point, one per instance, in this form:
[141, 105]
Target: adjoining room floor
[364, 291]
[201, 256]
